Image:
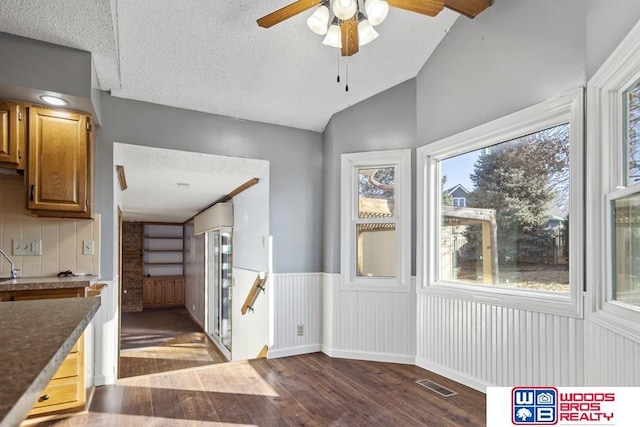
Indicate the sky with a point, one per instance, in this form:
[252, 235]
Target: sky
[457, 169]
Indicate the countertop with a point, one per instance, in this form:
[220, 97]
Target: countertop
[35, 283]
[36, 337]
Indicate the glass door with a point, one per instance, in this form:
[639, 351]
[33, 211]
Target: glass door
[225, 287]
[219, 293]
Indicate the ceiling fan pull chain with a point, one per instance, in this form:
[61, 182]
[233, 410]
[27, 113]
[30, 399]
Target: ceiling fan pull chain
[346, 88]
[338, 78]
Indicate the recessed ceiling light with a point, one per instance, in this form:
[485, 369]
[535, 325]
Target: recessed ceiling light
[53, 100]
[183, 185]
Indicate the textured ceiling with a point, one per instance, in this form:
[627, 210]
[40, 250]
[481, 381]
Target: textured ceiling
[153, 175]
[211, 56]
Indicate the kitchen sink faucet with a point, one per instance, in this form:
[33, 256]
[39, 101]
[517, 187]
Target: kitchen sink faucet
[14, 272]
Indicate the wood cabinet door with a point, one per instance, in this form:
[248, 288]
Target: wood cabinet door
[158, 292]
[179, 291]
[59, 163]
[148, 292]
[169, 292]
[12, 134]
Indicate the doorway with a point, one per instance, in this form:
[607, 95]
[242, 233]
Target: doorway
[172, 186]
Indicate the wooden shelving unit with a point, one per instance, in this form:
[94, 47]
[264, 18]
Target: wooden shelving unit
[163, 249]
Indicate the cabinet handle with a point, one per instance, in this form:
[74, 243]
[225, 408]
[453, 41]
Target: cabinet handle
[43, 398]
[32, 188]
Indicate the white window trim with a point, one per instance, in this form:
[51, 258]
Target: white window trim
[562, 109]
[351, 162]
[605, 179]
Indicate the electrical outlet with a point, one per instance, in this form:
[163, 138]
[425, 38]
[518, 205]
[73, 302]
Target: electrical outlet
[27, 247]
[300, 330]
[87, 247]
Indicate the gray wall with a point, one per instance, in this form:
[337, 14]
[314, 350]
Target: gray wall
[295, 156]
[513, 55]
[386, 121]
[607, 24]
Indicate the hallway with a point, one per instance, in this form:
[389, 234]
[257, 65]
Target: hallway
[156, 341]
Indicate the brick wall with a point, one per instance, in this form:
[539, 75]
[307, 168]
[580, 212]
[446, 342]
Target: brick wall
[132, 241]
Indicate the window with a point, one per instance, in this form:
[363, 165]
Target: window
[626, 249]
[613, 256]
[460, 202]
[375, 220]
[511, 236]
[631, 99]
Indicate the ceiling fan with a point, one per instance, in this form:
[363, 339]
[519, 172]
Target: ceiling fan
[350, 28]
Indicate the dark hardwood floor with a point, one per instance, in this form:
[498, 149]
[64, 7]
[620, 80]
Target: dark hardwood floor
[163, 340]
[311, 390]
[154, 327]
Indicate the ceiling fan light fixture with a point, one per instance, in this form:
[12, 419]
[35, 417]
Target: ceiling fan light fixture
[333, 37]
[344, 9]
[366, 32]
[377, 11]
[319, 20]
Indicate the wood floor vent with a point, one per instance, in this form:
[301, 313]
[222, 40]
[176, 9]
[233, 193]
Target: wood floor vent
[436, 388]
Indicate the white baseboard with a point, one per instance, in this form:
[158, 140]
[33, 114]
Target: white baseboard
[104, 380]
[293, 351]
[371, 357]
[453, 375]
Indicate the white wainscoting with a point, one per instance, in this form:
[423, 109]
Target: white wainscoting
[610, 359]
[297, 300]
[369, 325]
[106, 338]
[480, 345]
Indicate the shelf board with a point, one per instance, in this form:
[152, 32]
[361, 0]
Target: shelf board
[163, 250]
[164, 237]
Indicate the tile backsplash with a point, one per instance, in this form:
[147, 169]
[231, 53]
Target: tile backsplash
[61, 238]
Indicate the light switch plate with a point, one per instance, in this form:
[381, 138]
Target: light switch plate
[87, 247]
[27, 247]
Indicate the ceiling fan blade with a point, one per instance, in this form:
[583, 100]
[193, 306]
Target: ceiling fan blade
[287, 12]
[424, 7]
[349, 33]
[468, 8]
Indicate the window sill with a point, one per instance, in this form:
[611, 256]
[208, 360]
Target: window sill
[618, 319]
[540, 302]
[375, 287]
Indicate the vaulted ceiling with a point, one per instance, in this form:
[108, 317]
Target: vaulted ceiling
[211, 56]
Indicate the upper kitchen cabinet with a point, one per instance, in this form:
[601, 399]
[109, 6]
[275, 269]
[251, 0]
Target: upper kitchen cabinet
[60, 160]
[12, 135]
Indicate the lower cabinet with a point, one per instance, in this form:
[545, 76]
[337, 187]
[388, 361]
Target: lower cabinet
[66, 392]
[163, 291]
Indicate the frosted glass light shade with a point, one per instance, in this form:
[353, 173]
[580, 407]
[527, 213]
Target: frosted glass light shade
[333, 37]
[377, 11]
[366, 32]
[319, 20]
[344, 9]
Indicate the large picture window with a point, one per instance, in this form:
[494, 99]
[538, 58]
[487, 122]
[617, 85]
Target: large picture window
[521, 179]
[513, 231]
[375, 220]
